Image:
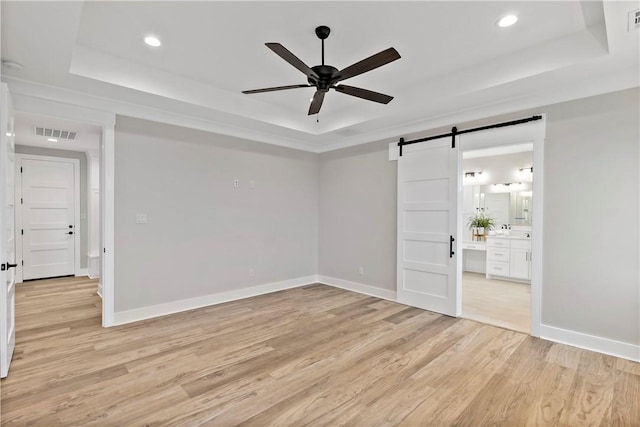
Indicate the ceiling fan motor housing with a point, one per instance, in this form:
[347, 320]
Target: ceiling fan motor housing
[325, 73]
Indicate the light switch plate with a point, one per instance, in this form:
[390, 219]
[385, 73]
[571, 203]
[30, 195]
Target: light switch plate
[141, 218]
[634, 20]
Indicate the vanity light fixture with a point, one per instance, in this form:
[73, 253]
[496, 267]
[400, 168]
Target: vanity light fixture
[52, 140]
[472, 174]
[526, 169]
[152, 41]
[506, 184]
[507, 21]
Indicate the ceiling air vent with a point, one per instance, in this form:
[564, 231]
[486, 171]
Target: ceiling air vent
[55, 133]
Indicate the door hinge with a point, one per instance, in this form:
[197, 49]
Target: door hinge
[22, 262]
[22, 232]
[104, 250]
[400, 146]
[21, 201]
[20, 169]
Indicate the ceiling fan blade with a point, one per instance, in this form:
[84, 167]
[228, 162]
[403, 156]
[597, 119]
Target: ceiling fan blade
[368, 64]
[271, 89]
[369, 95]
[316, 103]
[285, 54]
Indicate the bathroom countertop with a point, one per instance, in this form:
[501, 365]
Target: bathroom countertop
[509, 237]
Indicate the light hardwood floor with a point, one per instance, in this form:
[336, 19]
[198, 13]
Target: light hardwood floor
[315, 355]
[496, 302]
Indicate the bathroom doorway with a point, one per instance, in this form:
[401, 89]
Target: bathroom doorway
[495, 248]
[497, 202]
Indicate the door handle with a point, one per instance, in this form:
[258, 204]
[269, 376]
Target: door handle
[7, 266]
[71, 232]
[451, 252]
[71, 226]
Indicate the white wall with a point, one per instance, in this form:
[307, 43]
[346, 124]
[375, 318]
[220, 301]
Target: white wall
[94, 214]
[591, 219]
[203, 235]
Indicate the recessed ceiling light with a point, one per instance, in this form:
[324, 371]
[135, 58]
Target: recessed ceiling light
[11, 65]
[52, 140]
[152, 41]
[507, 21]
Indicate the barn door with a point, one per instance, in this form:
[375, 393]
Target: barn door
[427, 222]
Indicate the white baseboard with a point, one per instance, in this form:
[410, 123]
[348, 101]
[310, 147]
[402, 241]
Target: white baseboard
[137, 314]
[100, 290]
[82, 272]
[358, 287]
[591, 342]
[97, 276]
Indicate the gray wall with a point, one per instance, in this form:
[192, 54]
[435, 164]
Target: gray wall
[84, 233]
[358, 215]
[591, 214]
[203, 235]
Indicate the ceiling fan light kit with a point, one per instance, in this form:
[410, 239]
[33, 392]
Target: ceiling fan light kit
[325, 77]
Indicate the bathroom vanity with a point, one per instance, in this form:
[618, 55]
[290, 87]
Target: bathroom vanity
[509, 258]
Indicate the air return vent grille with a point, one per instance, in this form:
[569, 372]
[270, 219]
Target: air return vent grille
[55, 133]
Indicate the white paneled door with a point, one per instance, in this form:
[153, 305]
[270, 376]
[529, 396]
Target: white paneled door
[427, 208]
[48, 218]
[7, 239]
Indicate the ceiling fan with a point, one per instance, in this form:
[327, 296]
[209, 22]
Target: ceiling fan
[325, 77]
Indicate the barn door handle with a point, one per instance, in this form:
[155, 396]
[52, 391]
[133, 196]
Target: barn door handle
[71, 232]
[451, 252]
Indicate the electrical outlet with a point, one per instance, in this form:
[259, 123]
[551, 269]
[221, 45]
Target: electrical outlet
[141, 218]
[251, 272]
[236, 183]
[361, 271]
[252, 184]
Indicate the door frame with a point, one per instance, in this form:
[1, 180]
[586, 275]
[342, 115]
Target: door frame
[76, 210]
[37, 100]
[532, 132]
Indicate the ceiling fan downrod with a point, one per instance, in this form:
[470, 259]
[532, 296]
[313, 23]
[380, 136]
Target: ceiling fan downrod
[323, 32]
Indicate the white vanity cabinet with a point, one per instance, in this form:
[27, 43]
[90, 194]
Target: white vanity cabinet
[509, 258]
[520, 259]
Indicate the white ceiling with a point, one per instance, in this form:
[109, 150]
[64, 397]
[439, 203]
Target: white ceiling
[456, 63]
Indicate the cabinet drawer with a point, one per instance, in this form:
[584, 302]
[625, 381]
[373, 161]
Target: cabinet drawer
[474, 246]
[521, 244]
[497, 243]
[498, 254]
[498, 268]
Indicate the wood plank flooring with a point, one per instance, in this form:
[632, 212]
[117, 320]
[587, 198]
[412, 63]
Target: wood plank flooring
[315, 355]
[496, 302]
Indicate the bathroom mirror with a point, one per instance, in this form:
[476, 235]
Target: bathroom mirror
[504, 204]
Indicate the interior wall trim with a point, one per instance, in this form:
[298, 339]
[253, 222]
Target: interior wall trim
[591, 342]
[137, 314]
[360, 288]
